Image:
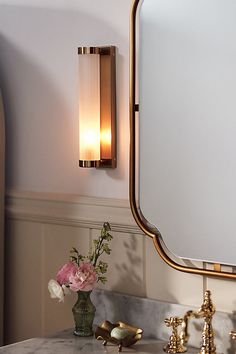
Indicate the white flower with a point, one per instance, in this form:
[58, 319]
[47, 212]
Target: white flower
[65, 290]
[56, 291]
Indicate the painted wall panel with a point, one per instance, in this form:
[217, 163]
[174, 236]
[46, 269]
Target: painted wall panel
[24, 286]
[38, 244]
[58, 241]
[126, 264]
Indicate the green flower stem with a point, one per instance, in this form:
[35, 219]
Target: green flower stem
[100, 246]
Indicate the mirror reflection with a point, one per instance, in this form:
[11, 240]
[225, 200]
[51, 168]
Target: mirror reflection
[187, 76]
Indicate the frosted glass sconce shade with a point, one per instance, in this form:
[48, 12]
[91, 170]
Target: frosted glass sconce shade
[89, 108]
[97, 131]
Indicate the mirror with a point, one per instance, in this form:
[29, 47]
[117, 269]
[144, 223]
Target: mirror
[183, 95]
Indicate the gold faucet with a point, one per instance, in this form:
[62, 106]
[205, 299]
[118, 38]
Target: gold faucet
[174, 345]
[206, 312]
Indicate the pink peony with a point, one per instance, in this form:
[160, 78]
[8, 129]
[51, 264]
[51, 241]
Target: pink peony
[66, 272]
[84, 279]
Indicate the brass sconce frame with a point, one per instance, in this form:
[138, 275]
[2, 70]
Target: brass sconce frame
[137, 213]
[107, 55]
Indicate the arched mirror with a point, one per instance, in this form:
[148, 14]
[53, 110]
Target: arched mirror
[183, 129]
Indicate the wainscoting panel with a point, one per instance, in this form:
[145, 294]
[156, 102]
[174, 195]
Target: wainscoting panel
[167, 283]
[126, 264]
[58, 241]
[23, 281]
[42, 228]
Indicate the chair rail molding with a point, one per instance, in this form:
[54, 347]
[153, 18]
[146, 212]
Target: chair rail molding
[69, 209]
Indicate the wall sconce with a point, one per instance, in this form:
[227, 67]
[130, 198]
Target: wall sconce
[97, 107]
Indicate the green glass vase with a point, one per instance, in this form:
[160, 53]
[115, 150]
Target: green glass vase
[83, 312]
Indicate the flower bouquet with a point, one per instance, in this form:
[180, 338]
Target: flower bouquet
[80, 275]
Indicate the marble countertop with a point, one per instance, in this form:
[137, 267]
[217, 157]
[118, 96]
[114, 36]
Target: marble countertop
[66, 343]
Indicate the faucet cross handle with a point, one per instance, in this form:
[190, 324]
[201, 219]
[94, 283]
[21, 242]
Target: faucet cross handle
[175, 344]
[173, 322]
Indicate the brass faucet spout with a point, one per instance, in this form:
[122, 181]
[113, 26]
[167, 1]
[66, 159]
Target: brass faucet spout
[184, 334]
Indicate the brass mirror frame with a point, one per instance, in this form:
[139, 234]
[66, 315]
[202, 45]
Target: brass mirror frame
[144, 225]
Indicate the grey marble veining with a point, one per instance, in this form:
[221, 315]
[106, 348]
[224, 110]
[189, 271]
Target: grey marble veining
[66, 343]
[140, 312]
[150, 315]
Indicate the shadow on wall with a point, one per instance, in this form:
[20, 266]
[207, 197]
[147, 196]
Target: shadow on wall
[129, 272]
[140, 270]
[38, 75]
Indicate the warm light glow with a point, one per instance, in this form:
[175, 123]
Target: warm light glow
[106, 143]
[106, 137]
[90, 145]
[89, 107]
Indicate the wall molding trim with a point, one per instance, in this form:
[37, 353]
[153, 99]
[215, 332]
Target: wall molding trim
[70, 209]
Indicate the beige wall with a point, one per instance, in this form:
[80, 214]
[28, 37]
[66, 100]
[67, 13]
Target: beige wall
[42, 111]
[41, 229]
